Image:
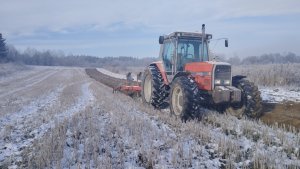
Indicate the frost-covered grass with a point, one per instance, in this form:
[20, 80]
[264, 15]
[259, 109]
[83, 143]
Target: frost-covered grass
[30, 121]
[85, 125]
[131, 135]
[271, 75]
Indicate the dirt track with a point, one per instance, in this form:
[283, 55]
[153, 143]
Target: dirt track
[283, 114]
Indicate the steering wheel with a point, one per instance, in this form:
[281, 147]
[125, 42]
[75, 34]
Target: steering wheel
[192, 56]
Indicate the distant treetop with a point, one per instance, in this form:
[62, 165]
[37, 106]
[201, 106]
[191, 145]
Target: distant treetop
[3, 50]
[273, 58]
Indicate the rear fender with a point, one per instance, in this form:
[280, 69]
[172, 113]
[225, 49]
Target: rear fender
[161, 69]
[236, 79]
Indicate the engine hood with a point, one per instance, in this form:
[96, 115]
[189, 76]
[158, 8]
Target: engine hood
[198, 67]
[208, 66]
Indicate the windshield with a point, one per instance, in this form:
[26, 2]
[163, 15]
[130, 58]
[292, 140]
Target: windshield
[189, 51]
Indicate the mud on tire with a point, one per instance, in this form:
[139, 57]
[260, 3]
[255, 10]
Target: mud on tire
[250, 105]
[183, 98]
[154, 91]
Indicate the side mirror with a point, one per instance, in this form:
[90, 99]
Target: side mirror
[226, 43]
[161, 39]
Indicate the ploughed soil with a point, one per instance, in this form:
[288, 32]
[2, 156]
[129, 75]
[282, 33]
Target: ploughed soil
[287, 113]
[284, 114]
[105, 79]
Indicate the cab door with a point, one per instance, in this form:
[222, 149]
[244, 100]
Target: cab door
[168, 55]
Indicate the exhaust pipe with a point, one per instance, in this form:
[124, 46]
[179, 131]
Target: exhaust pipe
[203, 36]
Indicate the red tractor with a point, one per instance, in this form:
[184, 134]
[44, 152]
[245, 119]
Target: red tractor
[186, 79]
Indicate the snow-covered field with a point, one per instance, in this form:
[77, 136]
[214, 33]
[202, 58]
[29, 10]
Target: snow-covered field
[112, 74]
[115, 75]
[277, 95]
[60, 118]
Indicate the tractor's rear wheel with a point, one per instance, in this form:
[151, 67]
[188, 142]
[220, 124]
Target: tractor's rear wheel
[147, 88]
[250, 105]
[154, 91]
[183, 98]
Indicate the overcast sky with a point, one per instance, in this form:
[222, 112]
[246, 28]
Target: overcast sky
[131, 27]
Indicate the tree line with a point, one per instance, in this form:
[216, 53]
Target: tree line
[272, 58]
[3, 50]
[30, 56]
[56, 58]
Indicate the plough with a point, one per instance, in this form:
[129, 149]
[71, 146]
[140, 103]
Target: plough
[130, 87]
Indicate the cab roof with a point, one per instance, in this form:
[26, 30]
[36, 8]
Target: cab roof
[187, 35]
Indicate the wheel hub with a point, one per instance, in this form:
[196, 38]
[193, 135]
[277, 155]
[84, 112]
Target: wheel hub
[177, 101]
[147, 88]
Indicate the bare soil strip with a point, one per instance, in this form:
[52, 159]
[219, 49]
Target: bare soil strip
[105, 79]
[284, 114]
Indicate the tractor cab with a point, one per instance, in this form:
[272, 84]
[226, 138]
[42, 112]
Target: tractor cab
[180, 48]
[188, 52]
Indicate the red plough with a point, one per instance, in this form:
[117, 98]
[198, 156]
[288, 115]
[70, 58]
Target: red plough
[130, 87]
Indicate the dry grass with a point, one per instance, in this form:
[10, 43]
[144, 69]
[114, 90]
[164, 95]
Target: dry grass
[271, 74]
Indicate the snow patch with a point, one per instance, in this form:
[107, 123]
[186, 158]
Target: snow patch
[115, 75]
[277, 95]
[16, 123]
[81, 104]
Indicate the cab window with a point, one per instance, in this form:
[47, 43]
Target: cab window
[189, 51]
[168, 53]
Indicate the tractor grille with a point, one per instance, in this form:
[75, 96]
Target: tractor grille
[223, 72]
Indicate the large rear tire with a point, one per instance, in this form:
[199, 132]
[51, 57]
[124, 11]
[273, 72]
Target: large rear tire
[154, 91]
[250, 106]
[183, 98]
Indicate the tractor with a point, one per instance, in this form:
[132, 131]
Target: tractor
[187, 79]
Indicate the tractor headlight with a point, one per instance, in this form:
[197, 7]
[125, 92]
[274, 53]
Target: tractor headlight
[226, 82]
[217, 81]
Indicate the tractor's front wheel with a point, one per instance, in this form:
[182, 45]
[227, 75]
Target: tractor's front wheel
[183, 98]
[250, 106]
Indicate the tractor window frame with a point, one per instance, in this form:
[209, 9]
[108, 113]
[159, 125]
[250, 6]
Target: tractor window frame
[189, 50]
[168, 54]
